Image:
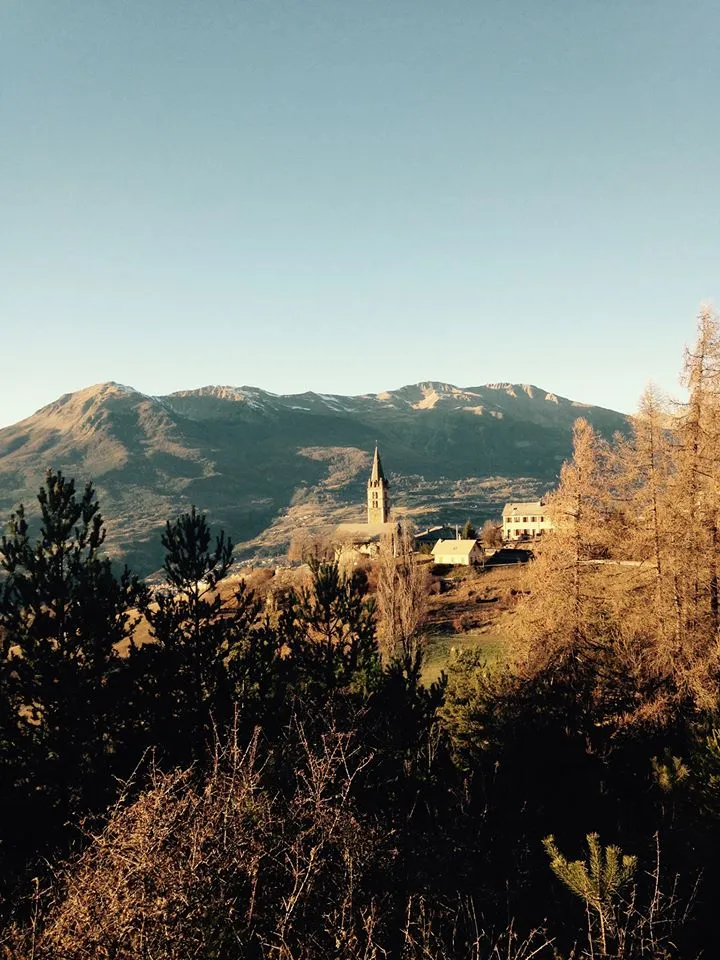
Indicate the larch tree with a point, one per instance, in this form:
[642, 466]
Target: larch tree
[695, 497]
[641, 470]
[558, 615]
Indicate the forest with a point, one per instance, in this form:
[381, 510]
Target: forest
[279, 783]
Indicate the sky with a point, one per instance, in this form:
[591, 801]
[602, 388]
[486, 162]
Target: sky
[348, 196]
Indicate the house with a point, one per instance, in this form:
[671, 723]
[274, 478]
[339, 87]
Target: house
[524, 521]
[466, 553]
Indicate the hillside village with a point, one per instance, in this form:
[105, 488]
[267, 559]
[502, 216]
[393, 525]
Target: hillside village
[268, 466]
[521, 522]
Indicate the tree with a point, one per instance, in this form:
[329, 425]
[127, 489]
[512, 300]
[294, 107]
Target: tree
[491, 535]
[307, 545]
[402, 594]
[186, 674]
[329, 632]
[697, 487]
[468, 531]
[600, 883]
[63, 613]
[560, 615]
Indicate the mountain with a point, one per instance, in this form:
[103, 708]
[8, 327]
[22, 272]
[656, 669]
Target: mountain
[262, 464]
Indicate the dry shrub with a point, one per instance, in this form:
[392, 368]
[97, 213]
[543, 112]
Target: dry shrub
[225, 867]
[215, 867]
[463, 622]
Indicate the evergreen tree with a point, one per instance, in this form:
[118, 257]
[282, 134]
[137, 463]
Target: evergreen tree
[329, 631]
[600, 882]
[185, 677]
[63, 613]
[468, 531]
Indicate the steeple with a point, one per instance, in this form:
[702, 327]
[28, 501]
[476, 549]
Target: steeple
[377, 470]
[377, 494]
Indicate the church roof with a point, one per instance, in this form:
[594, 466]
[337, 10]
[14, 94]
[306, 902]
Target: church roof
[364, 532]
[377, 470]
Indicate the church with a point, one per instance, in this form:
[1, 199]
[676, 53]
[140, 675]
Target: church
[365, 537]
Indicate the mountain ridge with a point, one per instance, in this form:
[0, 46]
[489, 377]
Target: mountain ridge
[262, 463]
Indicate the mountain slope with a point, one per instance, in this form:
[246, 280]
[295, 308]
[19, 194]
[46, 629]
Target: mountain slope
[261, 463]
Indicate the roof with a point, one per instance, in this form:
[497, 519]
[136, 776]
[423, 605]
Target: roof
[455, 548]
[364, 532]
[376, 473]
[440, 532]
[535, 506]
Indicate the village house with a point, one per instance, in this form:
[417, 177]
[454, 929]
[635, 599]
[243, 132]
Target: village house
[525, 521]
[466, 553]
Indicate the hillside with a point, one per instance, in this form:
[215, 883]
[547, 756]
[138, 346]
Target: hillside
[262, 464]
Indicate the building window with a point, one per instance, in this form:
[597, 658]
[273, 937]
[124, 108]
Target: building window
[524, 519]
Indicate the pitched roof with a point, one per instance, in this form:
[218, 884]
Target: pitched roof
[455, 548]
[377, 470]
[535, 506]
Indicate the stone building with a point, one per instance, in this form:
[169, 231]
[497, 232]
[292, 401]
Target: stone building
[365, 537]
[377, 493]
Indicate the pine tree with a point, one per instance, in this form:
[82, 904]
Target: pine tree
[185, 675]
[329, 631]
[63, 613]
[468, 531]
[600, 882]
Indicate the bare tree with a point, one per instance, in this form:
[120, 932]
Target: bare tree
[491, 535]
[307, 545]
[403, 586]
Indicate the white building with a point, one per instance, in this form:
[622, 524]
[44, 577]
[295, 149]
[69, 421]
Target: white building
[464, 553]
[523, 521]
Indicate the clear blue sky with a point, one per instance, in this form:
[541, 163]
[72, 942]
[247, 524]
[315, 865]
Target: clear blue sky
[351, 195]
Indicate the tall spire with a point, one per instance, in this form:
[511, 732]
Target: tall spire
[377, 470]
[377, 490]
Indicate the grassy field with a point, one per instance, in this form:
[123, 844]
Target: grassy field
[473, 611]
[442, 647]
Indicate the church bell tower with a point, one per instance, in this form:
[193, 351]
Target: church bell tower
[377, 493]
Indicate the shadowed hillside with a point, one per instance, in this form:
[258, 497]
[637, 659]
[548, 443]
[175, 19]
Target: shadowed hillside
[261, 464]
